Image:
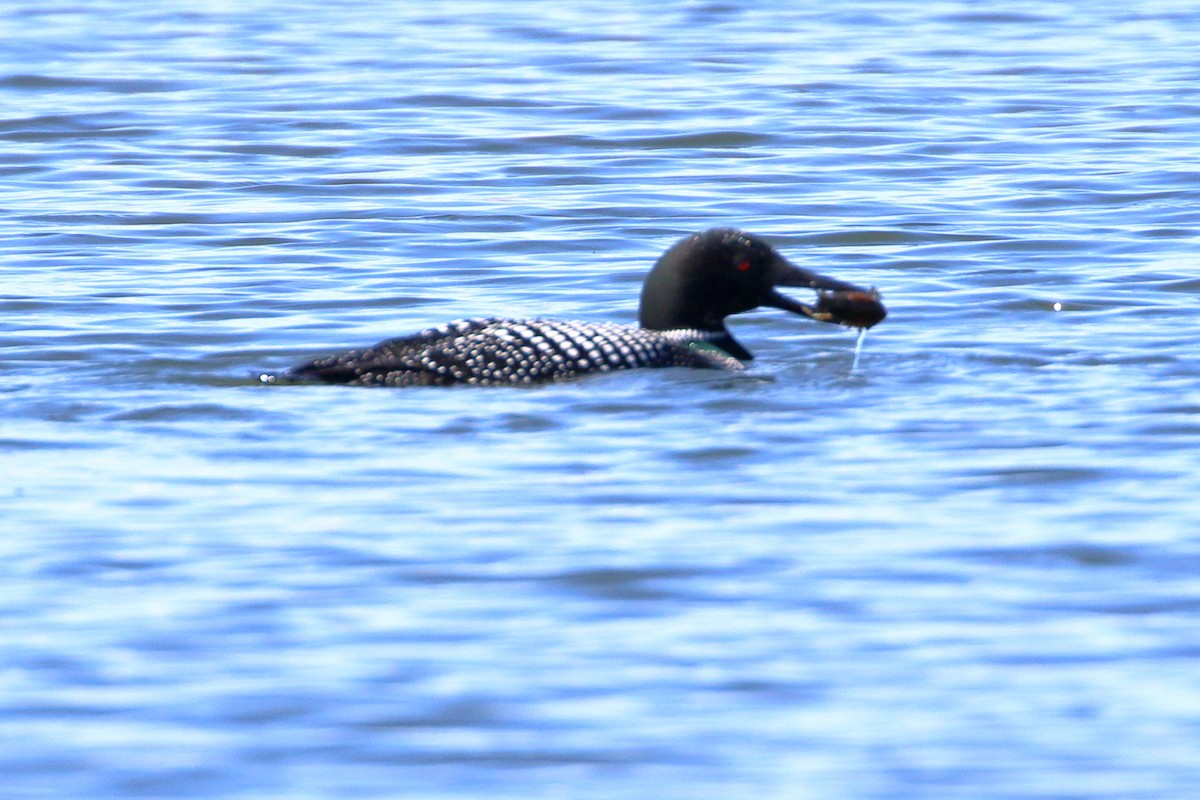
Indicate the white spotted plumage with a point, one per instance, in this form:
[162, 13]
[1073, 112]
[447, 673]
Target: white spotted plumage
[508, 351]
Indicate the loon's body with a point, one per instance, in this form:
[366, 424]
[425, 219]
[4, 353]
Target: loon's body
[515, 351]
[692, 288]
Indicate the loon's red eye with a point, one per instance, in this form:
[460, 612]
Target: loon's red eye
[743, 265]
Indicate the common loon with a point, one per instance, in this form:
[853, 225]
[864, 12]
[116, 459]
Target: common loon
[687, 295]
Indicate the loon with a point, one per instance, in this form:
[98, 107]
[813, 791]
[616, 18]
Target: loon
[692, 288]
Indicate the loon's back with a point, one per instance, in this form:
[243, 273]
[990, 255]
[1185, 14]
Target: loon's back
[514, 351]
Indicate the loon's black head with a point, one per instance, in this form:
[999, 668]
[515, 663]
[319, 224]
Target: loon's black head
[708, 276]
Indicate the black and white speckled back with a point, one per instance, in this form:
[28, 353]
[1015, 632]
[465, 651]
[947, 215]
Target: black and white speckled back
[516, 351]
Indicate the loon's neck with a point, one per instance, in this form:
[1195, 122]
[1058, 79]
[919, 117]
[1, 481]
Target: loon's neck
[724, 340]
[717, 335]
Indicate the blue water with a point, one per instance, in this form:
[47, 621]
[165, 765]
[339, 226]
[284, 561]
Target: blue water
[968, 567]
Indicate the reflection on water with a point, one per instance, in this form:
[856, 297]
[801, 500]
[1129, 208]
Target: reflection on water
[958, 564]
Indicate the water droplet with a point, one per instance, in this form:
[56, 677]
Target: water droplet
[862, 335]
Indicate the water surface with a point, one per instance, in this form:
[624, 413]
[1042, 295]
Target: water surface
[965, 568]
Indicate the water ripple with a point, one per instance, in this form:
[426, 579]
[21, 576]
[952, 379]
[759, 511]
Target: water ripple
[976, 548]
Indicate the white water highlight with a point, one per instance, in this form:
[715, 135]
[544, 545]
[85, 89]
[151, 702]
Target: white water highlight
[858, 346]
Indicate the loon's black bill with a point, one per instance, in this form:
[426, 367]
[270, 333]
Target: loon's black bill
[777, 300]
[788, 274]
[838, 302]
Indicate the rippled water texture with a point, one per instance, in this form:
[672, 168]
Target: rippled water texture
[965, 568]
